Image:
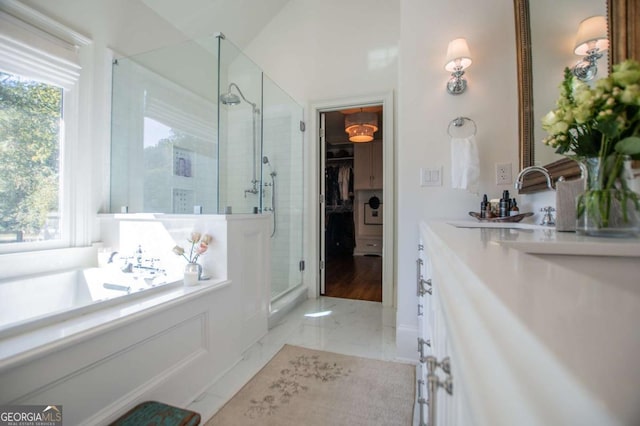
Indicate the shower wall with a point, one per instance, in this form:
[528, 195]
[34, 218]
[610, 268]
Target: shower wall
[177, 149]
[164, 147]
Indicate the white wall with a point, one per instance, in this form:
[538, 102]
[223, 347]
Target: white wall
[425, 110]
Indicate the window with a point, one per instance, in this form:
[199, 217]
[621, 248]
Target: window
[39, 93]
[30, 135]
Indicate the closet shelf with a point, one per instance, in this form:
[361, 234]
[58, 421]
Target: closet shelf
[339, 158]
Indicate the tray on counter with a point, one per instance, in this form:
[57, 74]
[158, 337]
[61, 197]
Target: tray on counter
[516, 218]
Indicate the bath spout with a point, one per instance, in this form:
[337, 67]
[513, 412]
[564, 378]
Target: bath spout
[111, 257]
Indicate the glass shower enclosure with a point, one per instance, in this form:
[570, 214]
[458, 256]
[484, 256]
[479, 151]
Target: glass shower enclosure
[198, 128]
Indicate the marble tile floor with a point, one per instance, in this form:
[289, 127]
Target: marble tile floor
[351, 327]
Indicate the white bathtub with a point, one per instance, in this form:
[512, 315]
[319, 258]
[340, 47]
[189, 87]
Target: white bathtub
[99, 358]
[28, 302]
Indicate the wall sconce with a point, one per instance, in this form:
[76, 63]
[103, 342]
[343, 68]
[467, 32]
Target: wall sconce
[361, 126]
[458, 59]
[590, 42]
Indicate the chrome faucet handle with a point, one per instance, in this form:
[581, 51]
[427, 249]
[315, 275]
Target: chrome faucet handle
[548, 219]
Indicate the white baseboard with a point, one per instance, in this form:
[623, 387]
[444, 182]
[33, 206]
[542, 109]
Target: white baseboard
[407, 343]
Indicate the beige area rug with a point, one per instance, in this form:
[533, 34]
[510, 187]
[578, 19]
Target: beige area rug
[305, 387]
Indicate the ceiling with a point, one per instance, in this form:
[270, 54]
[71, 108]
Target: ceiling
[135, 26]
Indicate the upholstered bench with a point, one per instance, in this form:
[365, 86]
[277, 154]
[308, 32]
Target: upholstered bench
[157, 414]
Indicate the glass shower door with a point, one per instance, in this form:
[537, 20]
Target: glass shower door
[282, 185]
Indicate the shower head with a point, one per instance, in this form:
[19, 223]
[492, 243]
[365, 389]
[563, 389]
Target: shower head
[265, 160]
[229, 98]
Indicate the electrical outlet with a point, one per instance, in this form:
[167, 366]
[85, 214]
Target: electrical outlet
[503, 174]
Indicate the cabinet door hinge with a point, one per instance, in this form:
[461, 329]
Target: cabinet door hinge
[322, 132]
[322, 264]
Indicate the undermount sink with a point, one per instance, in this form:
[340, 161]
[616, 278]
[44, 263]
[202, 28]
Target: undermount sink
[576, 245]
[545, 240]
[499, 225]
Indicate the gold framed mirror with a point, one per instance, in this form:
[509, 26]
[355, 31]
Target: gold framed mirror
[624, 36]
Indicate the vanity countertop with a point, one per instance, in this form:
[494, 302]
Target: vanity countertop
[583, 309]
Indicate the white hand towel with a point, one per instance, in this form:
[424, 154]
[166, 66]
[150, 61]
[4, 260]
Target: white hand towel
[465, 164]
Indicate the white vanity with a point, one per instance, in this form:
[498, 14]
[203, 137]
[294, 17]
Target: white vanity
[521, 338]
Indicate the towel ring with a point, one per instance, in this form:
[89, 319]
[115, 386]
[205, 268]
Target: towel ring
[459, 122]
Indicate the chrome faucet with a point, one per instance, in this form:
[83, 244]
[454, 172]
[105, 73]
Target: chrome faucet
[253, 189]
[531, 169]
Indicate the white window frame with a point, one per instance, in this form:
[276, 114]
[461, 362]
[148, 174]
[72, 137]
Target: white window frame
[34, 46]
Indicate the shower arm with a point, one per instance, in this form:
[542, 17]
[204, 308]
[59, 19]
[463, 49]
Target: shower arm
[254, 106]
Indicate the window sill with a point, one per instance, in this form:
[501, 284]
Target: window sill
[45, 261]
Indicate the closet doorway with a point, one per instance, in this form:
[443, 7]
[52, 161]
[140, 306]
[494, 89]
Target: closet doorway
[351, 204]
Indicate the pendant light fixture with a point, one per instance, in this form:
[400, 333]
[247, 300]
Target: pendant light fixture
[361, 126]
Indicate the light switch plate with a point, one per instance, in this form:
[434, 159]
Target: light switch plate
[431, 176]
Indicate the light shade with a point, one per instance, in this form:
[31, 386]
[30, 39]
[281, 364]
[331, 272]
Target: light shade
[592, 33]
[458, 55]
[361, 126]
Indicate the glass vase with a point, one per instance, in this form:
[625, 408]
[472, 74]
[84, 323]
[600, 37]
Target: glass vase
[608, 207]
[192, 274]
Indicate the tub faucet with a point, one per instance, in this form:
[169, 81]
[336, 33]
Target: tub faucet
[111, 257]
[531, 169]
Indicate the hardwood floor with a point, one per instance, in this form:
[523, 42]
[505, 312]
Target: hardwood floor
[354, 277]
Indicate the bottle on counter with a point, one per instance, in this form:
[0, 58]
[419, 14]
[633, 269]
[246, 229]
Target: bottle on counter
[484, 205]
[505, 204]
[515, 210]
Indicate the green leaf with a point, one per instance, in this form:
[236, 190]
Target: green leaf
[628, 146]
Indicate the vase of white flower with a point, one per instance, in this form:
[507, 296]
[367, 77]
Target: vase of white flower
[199, 246]
[599, 126]
[608, 207]
[192, 273]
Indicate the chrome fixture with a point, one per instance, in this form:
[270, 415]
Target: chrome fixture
[548, 219]
[532, 169]
[422, 401]
[273, 174]
[142, 264]
[432, 364]
[591, 41]
[230, 98]
[458, 59]
[434, 382]
[421, 343]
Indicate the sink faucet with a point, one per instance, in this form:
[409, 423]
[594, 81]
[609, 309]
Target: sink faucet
[531, 169]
